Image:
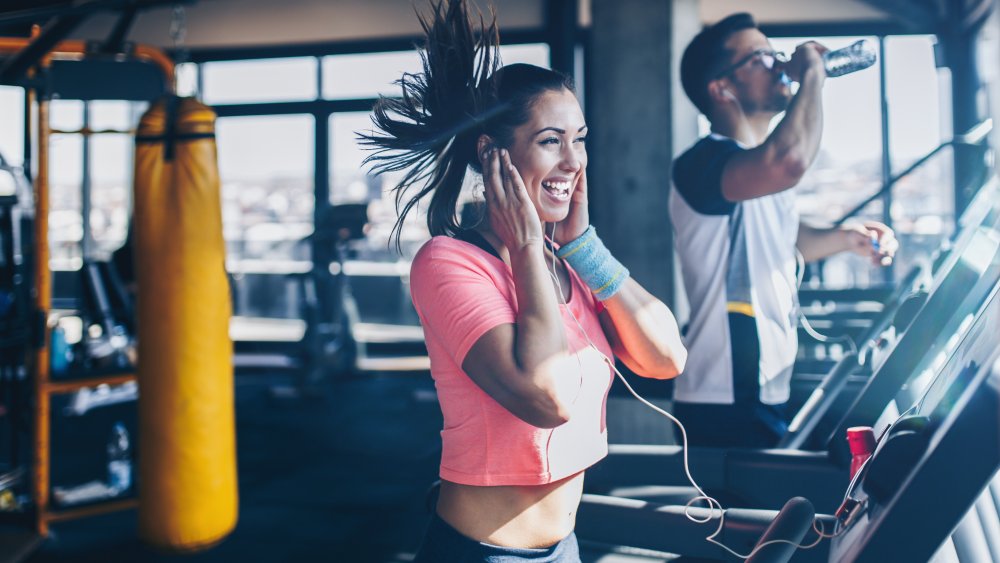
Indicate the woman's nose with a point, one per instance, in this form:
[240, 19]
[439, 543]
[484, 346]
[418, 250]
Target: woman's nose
[571, 160]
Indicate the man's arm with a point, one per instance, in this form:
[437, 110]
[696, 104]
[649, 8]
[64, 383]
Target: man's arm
[867, 239]
[783, 158]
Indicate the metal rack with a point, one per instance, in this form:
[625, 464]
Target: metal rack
[44, 386]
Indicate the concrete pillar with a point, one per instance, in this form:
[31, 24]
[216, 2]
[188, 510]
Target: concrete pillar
[639, 118]
[686, 24]
[561, 22]
[961, 53]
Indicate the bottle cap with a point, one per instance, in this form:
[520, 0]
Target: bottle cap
[861, 439]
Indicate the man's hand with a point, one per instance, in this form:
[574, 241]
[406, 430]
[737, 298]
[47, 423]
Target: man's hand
[872, 239]
[807, 57]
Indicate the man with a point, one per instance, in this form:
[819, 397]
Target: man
[737, 230]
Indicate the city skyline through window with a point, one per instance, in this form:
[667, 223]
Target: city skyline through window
[254, 156]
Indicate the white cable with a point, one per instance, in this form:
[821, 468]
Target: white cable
[713, 504]
[800, 264]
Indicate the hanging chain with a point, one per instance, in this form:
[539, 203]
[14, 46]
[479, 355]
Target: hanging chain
[178, 27]
[178, 31]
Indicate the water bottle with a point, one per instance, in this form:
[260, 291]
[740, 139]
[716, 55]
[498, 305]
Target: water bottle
[858, 55]
[60, 353]
[861, 440]
[119, 459]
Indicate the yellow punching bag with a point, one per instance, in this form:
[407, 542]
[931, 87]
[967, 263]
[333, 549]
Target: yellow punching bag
[187, 442]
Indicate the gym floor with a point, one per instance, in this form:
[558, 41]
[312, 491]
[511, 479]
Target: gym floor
[341, 476]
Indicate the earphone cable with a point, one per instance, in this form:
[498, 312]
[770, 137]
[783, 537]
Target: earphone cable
[713, 504]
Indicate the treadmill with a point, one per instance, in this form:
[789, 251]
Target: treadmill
[933, 461]
[927, 480]
[811, 426]
[766, 478]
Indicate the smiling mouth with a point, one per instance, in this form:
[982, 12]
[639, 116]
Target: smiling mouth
[558, 189]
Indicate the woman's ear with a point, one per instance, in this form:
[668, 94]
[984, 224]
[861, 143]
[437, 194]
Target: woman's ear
[483, 146]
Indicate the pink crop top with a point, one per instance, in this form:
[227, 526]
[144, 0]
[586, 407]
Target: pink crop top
[460, 292]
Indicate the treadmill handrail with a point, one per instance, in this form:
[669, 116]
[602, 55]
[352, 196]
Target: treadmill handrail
[786, 531]
[973, 137]
[819, 402]
[880, 389]
[825, 394]
[616, 521]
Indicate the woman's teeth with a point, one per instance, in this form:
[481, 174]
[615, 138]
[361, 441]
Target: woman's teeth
[558, 189]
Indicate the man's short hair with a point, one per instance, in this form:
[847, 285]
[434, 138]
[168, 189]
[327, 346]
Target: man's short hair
[707, 55]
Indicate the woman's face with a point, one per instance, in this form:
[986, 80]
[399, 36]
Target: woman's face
[550, 153]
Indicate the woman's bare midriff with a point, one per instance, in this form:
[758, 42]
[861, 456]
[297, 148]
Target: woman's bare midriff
[532, 516]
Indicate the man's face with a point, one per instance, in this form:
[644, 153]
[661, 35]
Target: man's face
[752, 74]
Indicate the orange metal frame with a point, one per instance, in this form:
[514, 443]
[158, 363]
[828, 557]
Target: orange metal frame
[44, 386]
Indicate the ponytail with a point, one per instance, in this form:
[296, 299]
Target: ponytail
[432, 129]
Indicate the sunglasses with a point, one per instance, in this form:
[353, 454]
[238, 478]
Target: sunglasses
[766, 57]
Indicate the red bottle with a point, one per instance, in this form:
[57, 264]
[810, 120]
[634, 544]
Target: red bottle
[861, 440]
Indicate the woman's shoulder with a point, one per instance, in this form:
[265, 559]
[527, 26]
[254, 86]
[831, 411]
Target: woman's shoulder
[441, 247]
[448, 252]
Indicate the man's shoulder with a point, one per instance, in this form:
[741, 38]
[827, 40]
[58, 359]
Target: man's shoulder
[697, 174]
[706, 148]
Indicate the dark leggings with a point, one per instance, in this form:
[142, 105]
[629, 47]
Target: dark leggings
[444, 544]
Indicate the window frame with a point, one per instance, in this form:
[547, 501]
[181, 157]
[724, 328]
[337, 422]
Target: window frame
[322, 109]
[880, 31]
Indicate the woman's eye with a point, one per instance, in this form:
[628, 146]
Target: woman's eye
[581, 139]
[549, 141]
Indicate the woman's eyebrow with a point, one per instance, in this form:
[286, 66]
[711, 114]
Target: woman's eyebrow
[558, 130]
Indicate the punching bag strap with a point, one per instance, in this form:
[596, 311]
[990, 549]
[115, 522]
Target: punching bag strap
[171, 135]
[170, 127]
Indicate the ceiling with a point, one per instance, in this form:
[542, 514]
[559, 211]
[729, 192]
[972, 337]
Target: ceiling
[234, 23]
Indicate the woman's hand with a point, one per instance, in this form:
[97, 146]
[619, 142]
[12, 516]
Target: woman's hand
[513, 217]
[578, 219]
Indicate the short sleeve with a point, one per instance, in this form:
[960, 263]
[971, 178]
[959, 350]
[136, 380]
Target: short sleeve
[698, 175]
[457, 297]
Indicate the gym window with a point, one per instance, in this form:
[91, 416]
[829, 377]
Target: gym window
[366, 75]
[266, 165]
[281, 120]
[92, 172]
[12, 116]
[263, 80]
[849, 166]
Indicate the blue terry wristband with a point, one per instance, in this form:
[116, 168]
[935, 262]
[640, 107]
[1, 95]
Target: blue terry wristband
[595, 265]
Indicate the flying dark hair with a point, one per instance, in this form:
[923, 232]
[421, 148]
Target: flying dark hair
[431, 131]
[707, 54]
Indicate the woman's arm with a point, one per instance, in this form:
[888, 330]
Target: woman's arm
[643, 333]
[523, 366]
[641, 329]
[520, 365]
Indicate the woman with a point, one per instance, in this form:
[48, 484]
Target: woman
[520, 310]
